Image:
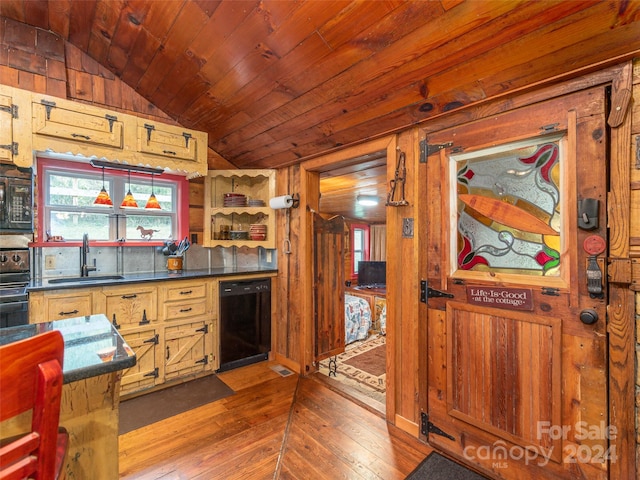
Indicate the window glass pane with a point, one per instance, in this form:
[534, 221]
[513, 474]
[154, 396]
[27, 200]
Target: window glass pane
[72, 225]
[357, 258]
[149, 227]
[164, 194]
[74, 190]
[509, 209]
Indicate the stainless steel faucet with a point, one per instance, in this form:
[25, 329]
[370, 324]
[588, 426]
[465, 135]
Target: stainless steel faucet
[84, 251]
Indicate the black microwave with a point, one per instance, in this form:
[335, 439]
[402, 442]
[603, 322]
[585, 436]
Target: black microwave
[16, 199]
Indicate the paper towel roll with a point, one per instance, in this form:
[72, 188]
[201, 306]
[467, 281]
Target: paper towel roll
[285, 201]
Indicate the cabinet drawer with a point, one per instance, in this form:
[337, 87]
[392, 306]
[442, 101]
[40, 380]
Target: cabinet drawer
[186, 309]
[77, 125]
[131, 306]
[184, 292]
[68, 306]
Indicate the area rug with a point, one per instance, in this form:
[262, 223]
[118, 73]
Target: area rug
[437, 467]
[153, 407]
[362, 366]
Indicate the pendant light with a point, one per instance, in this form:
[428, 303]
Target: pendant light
[103, 199]
[128, 201]
[153, 201]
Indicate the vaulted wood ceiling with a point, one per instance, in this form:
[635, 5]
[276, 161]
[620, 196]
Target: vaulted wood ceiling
[273, 82]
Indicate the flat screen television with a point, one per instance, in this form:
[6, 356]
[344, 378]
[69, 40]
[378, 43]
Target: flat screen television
[372, 274]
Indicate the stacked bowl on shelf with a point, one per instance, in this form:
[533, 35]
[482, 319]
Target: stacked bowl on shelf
[235, 200]
[257, 231]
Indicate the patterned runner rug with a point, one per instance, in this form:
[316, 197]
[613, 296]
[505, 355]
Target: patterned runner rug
[362, 366]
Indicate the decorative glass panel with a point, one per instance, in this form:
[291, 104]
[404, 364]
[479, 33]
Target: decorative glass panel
[508, 208]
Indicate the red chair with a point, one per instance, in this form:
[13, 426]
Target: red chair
[31, 379]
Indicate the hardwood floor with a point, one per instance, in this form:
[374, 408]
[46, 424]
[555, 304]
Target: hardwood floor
[273, 427]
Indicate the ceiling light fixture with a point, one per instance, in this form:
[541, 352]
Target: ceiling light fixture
[367, 200]
[103, 199]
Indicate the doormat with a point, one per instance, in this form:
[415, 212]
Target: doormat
[437, 467]
[153, 407]
[355, 376]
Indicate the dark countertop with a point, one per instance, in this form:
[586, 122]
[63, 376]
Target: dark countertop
[83, 338]
[102, 280]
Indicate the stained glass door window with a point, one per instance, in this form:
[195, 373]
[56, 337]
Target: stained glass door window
[509, 208]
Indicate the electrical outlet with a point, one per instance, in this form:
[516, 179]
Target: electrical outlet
[49, 262]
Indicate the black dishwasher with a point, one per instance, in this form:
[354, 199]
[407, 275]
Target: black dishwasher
[245, 322]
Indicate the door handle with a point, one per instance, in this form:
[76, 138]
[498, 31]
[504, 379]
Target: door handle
[588, 316]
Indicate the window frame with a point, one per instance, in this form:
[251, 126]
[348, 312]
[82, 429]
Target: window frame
[365, 250]
[120, 178]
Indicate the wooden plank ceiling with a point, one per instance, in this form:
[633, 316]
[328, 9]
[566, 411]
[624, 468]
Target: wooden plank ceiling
[273, 82]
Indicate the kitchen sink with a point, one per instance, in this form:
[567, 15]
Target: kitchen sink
[96, 278]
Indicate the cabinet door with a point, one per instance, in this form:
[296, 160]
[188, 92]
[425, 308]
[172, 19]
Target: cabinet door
[167, 141]
[185, 349]
[7, 147]
[131, 305]
[76, 122]
[145, 373]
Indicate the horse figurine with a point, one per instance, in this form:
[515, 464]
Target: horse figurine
[146, 232]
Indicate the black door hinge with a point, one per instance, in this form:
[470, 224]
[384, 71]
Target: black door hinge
[204, 329]
[154, 373]
[426, 149]
[204, 360]
[427, 427]
[428, 292]
[12, 147]
[12, 109]
[155, 340]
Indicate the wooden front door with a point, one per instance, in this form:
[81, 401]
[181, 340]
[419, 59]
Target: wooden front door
[517, 368]
[328, 285]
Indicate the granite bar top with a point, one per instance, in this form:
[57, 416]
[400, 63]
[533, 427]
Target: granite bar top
[102, 280]
[83, 338]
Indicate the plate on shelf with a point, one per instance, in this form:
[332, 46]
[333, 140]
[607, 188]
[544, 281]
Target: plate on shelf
[239, 234]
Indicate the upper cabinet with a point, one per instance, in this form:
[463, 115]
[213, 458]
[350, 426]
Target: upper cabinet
[78, 123]
[237, 211]
[36, 122]
[168, 141]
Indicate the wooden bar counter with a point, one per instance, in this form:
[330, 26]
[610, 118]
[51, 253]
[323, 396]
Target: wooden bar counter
[90, 394]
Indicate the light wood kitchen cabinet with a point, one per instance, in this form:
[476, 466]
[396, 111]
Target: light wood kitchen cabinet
[15, 126]
[258, 185]
[77, 123]
[38, 122]
[145, 373]
[169, 141]
[171, 325]
[59, 304]
[187, 311]
[185, 344]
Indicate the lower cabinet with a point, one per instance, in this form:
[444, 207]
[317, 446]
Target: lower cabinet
[170, 325]
[185, 347]
[144, 374]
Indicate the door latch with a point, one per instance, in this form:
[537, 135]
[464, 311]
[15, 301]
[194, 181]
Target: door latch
[588, 213]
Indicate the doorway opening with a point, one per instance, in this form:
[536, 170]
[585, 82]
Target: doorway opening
[359, 369]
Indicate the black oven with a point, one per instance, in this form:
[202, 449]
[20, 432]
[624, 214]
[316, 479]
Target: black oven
[16, 199]
[14, 279]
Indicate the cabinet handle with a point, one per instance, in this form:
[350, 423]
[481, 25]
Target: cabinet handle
[188, 292]
[168, 152]
[184, 310]
[78, 135]
[129, 297]
[68, 313]
[168, 354]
